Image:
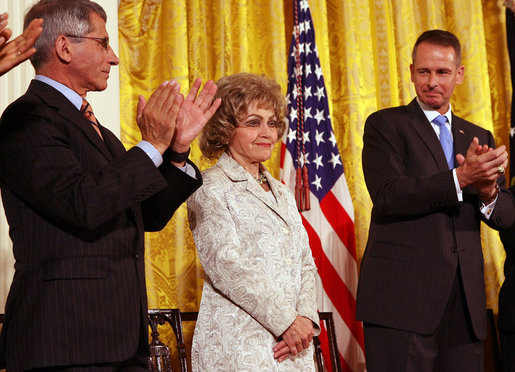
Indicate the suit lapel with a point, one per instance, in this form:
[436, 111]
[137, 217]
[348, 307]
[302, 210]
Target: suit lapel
[238, 174]
[53, 98]
[460, 136]
[113, 144]
[422, 126]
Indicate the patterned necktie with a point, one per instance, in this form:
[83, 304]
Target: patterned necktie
[87, 111]
[445, 140]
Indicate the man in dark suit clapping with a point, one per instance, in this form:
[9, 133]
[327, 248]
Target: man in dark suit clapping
[432, 177]
[78, 203]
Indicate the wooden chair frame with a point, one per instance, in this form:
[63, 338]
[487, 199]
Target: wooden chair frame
[327, 318]
[160, 359]
[160, 353]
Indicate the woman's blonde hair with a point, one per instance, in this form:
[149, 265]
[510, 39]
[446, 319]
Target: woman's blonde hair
[238, 91]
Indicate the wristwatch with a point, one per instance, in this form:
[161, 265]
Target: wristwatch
[177, 157]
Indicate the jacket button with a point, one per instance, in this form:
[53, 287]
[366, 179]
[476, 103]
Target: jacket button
[454, 250]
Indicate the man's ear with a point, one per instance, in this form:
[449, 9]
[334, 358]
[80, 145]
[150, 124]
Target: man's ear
[63, 48]
[460, 74]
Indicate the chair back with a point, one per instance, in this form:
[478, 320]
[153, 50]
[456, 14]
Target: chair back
[327, 318]
[159, 360]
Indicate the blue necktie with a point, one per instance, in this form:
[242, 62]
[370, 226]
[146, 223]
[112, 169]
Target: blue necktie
[445, 140]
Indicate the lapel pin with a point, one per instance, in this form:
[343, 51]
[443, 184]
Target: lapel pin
[461, 131]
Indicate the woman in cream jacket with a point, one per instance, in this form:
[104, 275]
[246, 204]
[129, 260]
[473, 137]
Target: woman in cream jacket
[258, 309]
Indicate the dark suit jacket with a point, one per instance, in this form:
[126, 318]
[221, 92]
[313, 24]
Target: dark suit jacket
[77, 208]
[419, 231]
[506, 318]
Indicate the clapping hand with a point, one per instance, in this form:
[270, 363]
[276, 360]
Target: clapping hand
[157, 117]
[481, 167]
[194, 114]
[16, 51]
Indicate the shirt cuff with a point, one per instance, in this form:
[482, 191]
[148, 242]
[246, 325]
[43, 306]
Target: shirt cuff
[487, 210]
[189, 170]
[459, 192]
[152, 152]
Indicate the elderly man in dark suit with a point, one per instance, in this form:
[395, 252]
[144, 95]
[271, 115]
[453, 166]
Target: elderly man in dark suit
[507, 300]
[432, 177]
[78, 203]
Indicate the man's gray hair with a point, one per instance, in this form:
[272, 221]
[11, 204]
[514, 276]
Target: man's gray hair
[60, 17]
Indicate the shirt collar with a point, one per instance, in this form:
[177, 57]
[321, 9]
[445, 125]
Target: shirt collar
[72, 96]
[431, 113]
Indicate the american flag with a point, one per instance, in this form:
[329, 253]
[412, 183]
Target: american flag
[322, 194]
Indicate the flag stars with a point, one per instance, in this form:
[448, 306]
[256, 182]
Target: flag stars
[295, 92]
[318, 72]
[317, 182]
[292, 134]
[307, 48]
[307, 93]
[335, 160]
[304, 159]
[307, 70]
[303, 27]
[319, 116]
[332, 139]
[302, 47]
[307, 26]
[293, 115]
[319, 137]
[307, 113]
[318, 161]
[320, 93]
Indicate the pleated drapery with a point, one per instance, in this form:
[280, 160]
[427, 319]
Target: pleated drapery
[365, 52]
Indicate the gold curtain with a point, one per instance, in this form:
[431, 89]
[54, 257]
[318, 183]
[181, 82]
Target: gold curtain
[365, 52]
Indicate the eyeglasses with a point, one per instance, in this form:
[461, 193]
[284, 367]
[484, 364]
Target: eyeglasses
[104, 41]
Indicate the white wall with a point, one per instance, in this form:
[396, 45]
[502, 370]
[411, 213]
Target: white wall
[14, 83]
